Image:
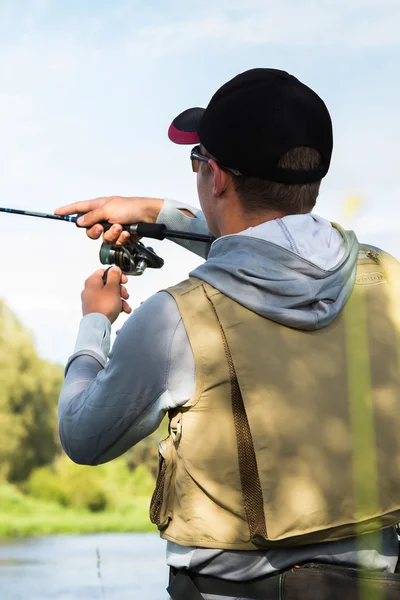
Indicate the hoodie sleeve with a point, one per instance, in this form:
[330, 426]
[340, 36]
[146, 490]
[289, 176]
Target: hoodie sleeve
[108, 404]
[171, 216]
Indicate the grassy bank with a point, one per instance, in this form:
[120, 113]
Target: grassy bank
[21, 515]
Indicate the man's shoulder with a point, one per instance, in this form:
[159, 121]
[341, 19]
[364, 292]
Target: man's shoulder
[163, 305]
[185, 286]
[158, 306]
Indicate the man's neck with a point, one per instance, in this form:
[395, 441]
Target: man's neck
[241, 222]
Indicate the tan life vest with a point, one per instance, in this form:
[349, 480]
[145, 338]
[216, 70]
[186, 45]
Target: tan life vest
[292, 437]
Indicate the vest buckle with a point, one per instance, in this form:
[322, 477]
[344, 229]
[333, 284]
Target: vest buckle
[175, 428]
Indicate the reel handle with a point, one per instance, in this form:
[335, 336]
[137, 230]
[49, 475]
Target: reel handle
[105, 275]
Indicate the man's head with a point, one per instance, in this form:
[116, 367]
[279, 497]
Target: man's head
[265, 143]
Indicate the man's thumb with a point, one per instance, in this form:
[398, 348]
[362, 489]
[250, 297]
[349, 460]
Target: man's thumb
[114, 276]
[92, 217]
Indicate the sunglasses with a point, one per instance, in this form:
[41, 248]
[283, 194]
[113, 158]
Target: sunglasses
[196, 157]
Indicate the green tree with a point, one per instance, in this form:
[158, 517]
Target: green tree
[29, 388]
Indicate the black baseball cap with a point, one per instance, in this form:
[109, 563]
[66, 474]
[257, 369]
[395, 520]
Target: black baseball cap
[254, 119]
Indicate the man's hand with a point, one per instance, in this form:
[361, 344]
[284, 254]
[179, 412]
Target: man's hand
[109, 299]
[114, 209]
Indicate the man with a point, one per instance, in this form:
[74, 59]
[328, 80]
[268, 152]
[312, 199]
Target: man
[277, 363]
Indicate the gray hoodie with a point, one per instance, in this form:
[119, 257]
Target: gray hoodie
[298, 271]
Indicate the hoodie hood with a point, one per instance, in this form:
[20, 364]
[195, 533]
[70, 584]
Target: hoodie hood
[279, 284]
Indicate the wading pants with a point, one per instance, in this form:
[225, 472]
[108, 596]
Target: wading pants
[314, 581]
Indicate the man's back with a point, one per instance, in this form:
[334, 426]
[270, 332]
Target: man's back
[160, 319]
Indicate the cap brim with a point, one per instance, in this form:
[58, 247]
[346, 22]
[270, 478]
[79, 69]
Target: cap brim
[184, 129]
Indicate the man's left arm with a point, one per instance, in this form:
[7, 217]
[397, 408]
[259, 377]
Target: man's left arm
[110, 403]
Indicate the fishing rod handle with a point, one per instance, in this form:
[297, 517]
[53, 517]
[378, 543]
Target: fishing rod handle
[152, 230]
[157, 231]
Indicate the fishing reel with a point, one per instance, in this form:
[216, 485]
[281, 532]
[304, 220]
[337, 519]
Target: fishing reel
[133, 258]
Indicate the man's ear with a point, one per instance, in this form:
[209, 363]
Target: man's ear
[220, 178]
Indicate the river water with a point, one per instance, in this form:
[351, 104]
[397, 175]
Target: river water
[84, 567]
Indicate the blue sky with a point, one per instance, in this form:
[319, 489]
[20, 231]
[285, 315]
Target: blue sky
[87, 92]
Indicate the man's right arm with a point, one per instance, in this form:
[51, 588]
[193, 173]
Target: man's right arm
[121, 211]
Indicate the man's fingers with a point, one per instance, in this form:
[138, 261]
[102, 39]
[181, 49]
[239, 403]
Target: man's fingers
[83, 206]
[115, 235]
[126, 308]
[112, 235]
[94, 232]
[114, 277]
[122, 238]
[124, 293]
[114, 274]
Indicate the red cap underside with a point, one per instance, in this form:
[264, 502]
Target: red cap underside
[182, 137]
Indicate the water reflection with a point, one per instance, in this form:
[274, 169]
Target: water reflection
[92, 567]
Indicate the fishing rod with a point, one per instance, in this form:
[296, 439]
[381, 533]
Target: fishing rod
[133, 257]
[29, 213]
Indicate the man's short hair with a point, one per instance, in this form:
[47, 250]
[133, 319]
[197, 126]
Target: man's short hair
[258, 194]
